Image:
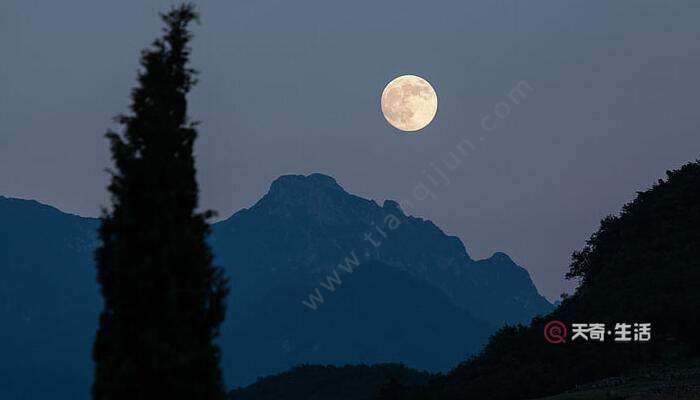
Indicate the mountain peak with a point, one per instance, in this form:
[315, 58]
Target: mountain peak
[316, 196]
[298, 184]
[501, 257]
[393, 206]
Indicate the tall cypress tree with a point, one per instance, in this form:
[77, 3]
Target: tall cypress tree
[163, 299]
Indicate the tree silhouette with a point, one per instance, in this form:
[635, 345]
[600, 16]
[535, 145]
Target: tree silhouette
[163, 299]
[639, 266]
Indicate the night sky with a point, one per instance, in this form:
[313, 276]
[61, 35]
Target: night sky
[611, 102]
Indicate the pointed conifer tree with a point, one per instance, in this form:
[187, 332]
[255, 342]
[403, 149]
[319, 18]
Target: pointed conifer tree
[163, 299]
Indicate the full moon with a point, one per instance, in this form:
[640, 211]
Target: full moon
[409, 103]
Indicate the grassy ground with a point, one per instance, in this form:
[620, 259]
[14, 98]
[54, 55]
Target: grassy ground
[655, 382]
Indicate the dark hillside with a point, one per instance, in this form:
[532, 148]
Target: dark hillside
[641, 266]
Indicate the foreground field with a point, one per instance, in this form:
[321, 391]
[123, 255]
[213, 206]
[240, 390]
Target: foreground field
[657, 382]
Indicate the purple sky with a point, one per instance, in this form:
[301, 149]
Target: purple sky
[294, 87]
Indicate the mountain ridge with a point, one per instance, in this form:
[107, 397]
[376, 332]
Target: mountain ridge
[275, 252]
[317, 204]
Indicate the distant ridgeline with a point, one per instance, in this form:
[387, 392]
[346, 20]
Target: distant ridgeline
[410, 294]
[640, 266]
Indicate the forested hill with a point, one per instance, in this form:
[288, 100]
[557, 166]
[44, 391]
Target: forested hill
[640, 266]
[350, 382]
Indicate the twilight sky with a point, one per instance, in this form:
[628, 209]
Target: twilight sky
[611, 102]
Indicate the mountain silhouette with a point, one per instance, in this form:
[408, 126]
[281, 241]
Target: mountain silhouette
[410, 294]
[381, 314]
[49, 301]
[307, 225]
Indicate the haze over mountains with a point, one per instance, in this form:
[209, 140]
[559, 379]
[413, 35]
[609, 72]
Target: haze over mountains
[409, 293]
